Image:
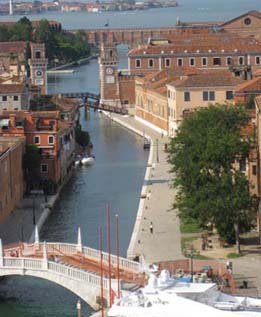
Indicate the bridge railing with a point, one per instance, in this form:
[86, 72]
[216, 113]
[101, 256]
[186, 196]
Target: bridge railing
[71, 249]
[62, 269]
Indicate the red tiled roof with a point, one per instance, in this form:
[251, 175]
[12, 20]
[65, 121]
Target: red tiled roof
[12, 47]
[45, 114]
[208, 79]
[203, 43]
[11, 88]
[250, 85]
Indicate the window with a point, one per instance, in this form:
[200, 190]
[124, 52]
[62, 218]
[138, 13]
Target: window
[37, 139]
[137, 63]
[212, 95]
[258, 60]
[240, 60]
[4, 98]
[254, 169]
[229, 95]
[217, 61]
[208, 95]
[151, 62]
[168, 93]
[180, 61]
[50, 139]
[205, 95]
[242, 165]
[16, 98]
[204, 61]
[186, 96]
[192, 61]
[247, 21]
[229, 61]
[38, 54]
[44, 168]
[167, 62]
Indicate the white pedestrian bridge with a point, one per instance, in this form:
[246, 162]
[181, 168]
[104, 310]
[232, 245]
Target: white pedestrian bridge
[73, 266]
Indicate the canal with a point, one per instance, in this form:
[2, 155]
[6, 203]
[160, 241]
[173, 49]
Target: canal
[115, 179]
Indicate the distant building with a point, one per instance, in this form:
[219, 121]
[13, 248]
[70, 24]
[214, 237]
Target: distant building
[11, 173]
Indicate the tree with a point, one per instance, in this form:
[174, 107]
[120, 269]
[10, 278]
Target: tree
[203, 156]
[4, 33]
[22, 30]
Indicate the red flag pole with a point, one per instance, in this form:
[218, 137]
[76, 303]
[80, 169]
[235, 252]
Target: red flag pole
[102, 304]
[109, 249]
[117, 253]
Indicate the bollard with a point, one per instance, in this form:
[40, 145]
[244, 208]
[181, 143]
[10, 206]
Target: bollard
[79, 308]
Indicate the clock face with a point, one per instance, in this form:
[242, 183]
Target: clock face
[38, 73]
[109, 70]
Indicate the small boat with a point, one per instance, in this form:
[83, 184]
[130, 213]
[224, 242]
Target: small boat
[87, 160]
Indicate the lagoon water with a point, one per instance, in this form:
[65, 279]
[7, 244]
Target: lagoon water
[188, 10]
[117, 175]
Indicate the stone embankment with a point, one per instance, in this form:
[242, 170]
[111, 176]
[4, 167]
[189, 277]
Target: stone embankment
[156, 233]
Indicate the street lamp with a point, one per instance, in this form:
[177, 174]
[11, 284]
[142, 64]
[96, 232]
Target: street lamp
[34, 210]
[157, 147]
[192, 252]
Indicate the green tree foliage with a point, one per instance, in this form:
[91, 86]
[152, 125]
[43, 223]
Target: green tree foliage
[62, 46]
[21, 31]
[210, 187]
[4, 33]
[31, 158]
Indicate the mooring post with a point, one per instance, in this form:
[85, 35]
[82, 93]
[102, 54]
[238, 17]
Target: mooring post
[79, 308]
[1, 254]
[79, 241]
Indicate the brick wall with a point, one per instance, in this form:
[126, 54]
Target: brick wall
[127, 90]
[11, 176]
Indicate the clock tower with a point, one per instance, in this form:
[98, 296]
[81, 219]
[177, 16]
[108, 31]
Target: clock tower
[109, 83]
[38, 66]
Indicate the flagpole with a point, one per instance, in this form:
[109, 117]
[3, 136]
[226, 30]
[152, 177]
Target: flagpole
[117, 253]
[102, 304]
[109, 249]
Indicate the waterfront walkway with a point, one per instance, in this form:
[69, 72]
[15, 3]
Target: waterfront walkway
[163, 244]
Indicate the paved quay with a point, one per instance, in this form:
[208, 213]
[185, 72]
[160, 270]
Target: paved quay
[155, 211]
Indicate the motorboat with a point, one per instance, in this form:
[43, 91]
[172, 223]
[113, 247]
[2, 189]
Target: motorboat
[166, 296]
[87, 160]
[84, 160]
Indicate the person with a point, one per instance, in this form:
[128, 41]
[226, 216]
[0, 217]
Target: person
[151, 227]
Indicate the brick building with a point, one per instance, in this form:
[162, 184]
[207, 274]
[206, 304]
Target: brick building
[54, 137]
[151, 97]
[246, 24]
[205, 52]
[11, 174]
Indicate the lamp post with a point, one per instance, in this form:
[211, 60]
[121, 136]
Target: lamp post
[191, 254]
[34, 210]
[157, 147]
